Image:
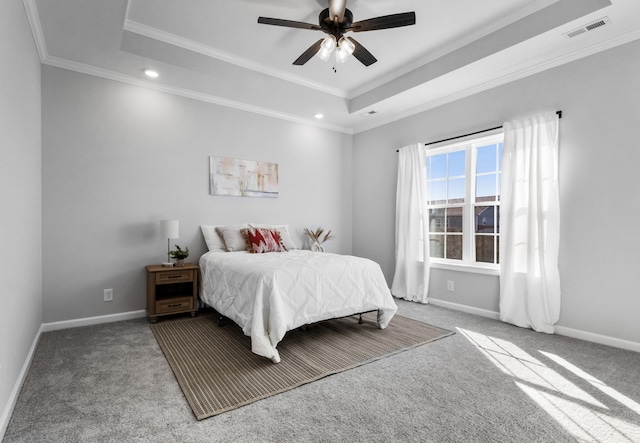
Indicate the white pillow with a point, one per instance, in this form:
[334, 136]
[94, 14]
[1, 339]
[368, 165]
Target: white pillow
[283, 230]
[232, 236]
[213, 240]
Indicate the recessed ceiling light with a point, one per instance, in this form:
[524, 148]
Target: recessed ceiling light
[150, 73]
[319, 116]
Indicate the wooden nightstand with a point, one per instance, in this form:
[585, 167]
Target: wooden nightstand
[172, 290]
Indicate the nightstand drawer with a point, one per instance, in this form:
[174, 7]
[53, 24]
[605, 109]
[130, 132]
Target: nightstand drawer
[176, 276]
[174, 305]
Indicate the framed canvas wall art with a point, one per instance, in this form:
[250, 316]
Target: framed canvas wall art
[242, 178]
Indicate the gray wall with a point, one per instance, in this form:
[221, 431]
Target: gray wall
[599, 156]
[20, 198]
[118, 158]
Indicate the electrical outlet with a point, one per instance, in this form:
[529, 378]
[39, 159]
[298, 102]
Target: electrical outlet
[108, 295]
[450, 285]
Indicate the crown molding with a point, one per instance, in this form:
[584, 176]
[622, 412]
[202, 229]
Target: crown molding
[190, 45]
[525, 70]
[36, 28]
[522, 72]
[208, 98]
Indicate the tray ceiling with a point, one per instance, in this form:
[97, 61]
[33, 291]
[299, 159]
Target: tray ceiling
[217, 52]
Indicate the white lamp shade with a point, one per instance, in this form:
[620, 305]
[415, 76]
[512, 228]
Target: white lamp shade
[169, 229]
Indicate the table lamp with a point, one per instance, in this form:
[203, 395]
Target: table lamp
[169, 229]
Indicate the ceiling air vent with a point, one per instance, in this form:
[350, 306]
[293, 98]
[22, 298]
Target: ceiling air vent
[586, 28]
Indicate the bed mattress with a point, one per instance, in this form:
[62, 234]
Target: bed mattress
[272, 293]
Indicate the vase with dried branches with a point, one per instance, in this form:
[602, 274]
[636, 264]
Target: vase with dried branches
[318, 237]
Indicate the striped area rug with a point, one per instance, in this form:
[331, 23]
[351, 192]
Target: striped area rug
[218, 372]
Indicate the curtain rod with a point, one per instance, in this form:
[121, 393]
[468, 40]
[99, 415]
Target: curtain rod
[559, 113]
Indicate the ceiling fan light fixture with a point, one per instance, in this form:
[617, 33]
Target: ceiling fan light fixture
[341, 55]
[324, 54]
[347, 45]
[327, 47]
[329, 43]
[344, 50]
[335, 21]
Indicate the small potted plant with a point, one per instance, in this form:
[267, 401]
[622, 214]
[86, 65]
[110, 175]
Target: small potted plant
[180, 254]
[318, 238]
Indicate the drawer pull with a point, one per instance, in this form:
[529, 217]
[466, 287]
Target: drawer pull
[174, 276]
[174, 305]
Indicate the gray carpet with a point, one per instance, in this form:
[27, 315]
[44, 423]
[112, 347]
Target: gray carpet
[490, 382]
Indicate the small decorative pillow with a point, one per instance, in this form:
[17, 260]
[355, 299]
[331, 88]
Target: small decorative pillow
[283, 230]
[213, 240]
[233, 239]
[260, 240]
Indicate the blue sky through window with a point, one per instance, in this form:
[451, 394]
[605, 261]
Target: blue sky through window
[488, 163]
[438, 191]
[446, 175]
[456, 164]
[486, 186]
[456, 189]
[437, 166]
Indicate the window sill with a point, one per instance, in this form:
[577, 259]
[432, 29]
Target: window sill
[465, 268]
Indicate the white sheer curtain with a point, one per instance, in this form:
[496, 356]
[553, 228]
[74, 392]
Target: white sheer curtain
[411, 278]
[529, 224]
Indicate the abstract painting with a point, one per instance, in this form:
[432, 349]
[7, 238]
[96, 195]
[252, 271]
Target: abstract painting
[242, 178]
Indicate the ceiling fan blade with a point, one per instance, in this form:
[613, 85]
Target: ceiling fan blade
[361, 53]
[306, 55]
[384, 22]
[288, 23]
[336, 9]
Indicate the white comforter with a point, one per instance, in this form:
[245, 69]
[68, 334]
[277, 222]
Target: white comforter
[272, 293]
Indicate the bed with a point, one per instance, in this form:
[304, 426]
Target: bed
[268, 294]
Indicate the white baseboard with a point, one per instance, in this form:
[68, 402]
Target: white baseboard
[464, 308]
[559, 330]
[57, 325]
[598, 338]
[15, 392]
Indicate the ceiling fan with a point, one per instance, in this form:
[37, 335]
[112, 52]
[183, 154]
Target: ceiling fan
[336, 20]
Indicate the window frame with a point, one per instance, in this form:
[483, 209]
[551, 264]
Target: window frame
[469, 145]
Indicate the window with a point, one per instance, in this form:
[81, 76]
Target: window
[463, 193]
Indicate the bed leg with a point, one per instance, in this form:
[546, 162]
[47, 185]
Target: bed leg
[360, 320]
[220, 322]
